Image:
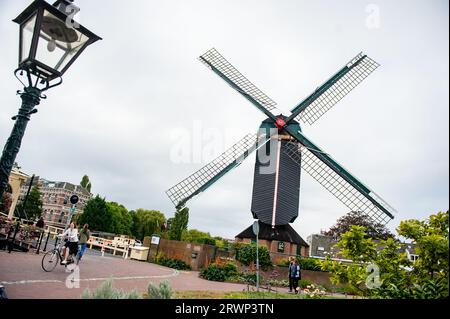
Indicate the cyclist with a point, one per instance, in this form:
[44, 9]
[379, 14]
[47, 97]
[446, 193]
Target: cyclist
[72, 242]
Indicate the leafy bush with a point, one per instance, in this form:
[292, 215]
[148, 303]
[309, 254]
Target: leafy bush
[249, 277]
[173, 263]
[208, 241]
[430, 289]
[303, 283]
[220, 271]
[305, 263]
[310, 264]
[107, 291]
[214, 272]
[247, 255]
[284, 262]
[158, 257]
[244, 278]
[164, 291]
[230, 269]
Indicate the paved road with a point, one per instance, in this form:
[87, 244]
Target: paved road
[23, 277]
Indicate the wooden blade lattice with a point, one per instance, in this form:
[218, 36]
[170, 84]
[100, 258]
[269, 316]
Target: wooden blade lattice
[364, 67]
[215, 59]
[208, 174]
[338, 186]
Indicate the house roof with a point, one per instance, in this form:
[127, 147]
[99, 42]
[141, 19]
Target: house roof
[64, 185]
[280, 233]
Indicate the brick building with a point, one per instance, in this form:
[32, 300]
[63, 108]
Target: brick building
[16, 179]
[321, 246]
[55, 198]
[282, 242]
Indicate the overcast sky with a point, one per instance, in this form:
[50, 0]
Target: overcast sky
[131, 97]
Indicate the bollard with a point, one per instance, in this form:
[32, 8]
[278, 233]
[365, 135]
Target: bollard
[46, 241]
[39, 242]
[56, 240]
[11, 244]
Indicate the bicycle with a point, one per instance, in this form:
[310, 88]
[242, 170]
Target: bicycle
[51, 258]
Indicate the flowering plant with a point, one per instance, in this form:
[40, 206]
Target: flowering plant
[313, 292]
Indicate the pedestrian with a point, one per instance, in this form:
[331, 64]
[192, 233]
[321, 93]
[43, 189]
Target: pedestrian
[291, 273]
[40, 223]
[85, 234]
[297, 275]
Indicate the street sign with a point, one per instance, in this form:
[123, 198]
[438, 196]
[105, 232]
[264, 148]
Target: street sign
[256, 228]
[155, 240]
[74, 199]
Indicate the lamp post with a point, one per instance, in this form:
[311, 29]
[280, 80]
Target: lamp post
[256, 232]
[49, 42]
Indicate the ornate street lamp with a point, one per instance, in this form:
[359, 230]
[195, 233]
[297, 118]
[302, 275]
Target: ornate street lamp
[50, 41]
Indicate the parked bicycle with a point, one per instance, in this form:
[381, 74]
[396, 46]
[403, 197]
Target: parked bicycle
[55, 256]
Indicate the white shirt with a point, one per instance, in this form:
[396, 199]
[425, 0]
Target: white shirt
[72, 234]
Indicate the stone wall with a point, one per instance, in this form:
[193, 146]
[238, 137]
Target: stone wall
[316, 277]
[197, 256]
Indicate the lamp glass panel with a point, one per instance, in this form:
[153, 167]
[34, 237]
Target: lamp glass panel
[58, 42]
[26, 32]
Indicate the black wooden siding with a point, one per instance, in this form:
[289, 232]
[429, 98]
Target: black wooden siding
[288, 189]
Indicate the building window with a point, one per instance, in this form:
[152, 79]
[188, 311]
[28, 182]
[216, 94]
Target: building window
[281, 246]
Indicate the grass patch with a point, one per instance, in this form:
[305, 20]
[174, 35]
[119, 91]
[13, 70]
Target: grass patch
[199, 294]
[203, 294]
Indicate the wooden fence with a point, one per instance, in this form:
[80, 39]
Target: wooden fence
[120, 244]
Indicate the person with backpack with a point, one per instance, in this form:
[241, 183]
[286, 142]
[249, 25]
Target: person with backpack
[85, 234]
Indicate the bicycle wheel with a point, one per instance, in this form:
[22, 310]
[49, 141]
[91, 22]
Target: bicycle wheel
[50, 260]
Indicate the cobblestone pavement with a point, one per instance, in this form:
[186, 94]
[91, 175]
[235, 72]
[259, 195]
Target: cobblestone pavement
[23, 277]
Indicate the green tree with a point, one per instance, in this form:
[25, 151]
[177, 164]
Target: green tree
[197, 236]
[122, 220]
[147, 222]
[356, 218]
[179, 223]
[431, 243]
[246, 254]
[86, 183]
[356, 245]
[33, 206]
[134, 223]
[398, 276]
[97, 215]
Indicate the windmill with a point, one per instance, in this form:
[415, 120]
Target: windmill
[283, 149]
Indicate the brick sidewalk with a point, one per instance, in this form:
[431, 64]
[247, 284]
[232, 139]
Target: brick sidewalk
[23, 277]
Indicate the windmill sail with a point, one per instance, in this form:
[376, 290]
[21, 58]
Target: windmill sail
[210, 173]
[344, 186]
[236, 80]
[333, 90]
